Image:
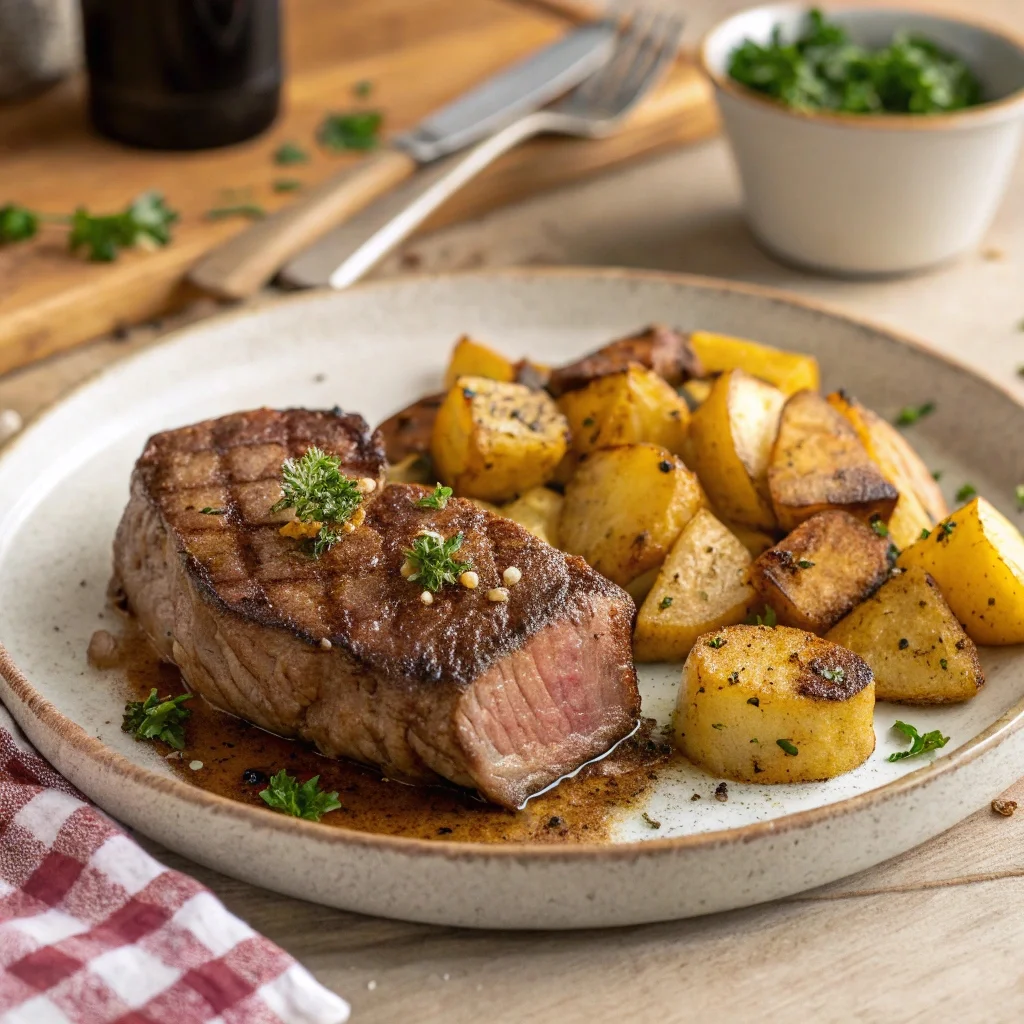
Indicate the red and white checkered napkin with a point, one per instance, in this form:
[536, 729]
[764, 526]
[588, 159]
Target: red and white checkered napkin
[95, 931]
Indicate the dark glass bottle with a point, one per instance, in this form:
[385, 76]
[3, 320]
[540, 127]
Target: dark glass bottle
[182, 74]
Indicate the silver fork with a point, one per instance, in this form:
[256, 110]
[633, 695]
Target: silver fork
[645, 47]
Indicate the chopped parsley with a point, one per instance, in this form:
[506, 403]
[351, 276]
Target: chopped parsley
[433, 562]
[717, 725]
[438, 498]
[17, 223]
[769, 618]
[789, 747]
[653, 822]
[665, 602]
[717, 642]
[286, 185]
[362, 88]
[1019, 492]
[833, 675]
[925, 533]
[157, 718]
[936, 475]
[316, 489]
[966, 492]
[946, 529]
[356, 130]
[918, 744]
[145, 223]
[943, 664]
[307, 801]
[589, 421]
[879, 527]
[805, 563]
[289, 153]
[251, 210]
[910, 414]
[208, 511]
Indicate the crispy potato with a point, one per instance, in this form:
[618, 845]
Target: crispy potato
[625, 507]
[494, 440]
[470, 358]
[626, 408]
[774, 705]
[411, 430]
[910, 637]
[539, 510]
[920, 504]
[818, 463]
[729, 446]
[976, 556]
[703, 584]
[658, 348]
[819, 572]
[788, 371]
[413, 469]
[695, 392]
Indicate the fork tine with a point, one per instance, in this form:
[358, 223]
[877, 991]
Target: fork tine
[660, 48]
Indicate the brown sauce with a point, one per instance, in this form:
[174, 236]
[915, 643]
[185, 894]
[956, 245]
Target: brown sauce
[233, 752]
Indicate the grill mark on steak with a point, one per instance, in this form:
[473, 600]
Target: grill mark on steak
[503, 697]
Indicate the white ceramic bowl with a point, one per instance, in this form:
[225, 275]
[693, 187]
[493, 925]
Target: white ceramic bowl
[880, 193]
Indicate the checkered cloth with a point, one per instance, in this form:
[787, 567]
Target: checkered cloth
[95, 931]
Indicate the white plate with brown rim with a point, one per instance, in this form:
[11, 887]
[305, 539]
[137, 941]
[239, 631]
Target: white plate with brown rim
[586, 855]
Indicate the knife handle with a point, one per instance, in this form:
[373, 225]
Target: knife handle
[246, 261]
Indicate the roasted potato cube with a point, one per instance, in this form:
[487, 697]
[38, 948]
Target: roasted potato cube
[976, 556]
[625, 507]
[819, 572]
[494, 440]
[704, 583]
[626, 408]
[911, 639]
[774, 705]
[658, 348]
[470, 358]
[818, 463]
[730, 443]
[539, 510]
[920, 504]
[788, 371]
[411, 430]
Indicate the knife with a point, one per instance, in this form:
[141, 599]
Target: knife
[245, 262]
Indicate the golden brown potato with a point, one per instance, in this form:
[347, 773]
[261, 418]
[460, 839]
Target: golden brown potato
[470, 358]
[695, 392]
[818, 463]
[413, 469]
[730, 443]
[920, 504]
[703, 584]
[625, 507]
[818, 573]
[913, 643]
[658, 348]
[626, 408]
[494, 440]
[774, 705]
[411, 430]
[539, 510]
[788, 371]
[976, 556]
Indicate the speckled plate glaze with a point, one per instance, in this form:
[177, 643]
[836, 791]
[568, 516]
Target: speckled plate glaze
[375, 348]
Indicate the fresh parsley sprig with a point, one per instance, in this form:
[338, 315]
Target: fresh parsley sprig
[768, 619]
[356, 130]
[438, 498]
[157, 718]
[289, 153]
[145, 223]
[307, 801]
[918, 744]
[433, 562]
[319, 492]
[17, 223]
[910, 414]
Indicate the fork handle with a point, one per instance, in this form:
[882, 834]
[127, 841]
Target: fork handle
[348, 252]
[246, 261]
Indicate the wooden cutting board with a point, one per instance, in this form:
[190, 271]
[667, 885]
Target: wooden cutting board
[417, 54]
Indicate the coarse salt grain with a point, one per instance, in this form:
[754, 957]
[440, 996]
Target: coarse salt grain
[325, 643]
[499, 595]
[427, 597]
[366, 485]
[470, 580]
[512, 575]
[195, 765]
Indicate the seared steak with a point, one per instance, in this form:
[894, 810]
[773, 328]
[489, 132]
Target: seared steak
[341, 652]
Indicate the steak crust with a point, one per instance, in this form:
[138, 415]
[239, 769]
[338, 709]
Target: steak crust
[341, 652]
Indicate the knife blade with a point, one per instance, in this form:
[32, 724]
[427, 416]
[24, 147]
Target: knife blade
[247, 260]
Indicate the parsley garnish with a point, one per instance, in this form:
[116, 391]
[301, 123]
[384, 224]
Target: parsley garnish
[879, 527]
[718, 641]
[664, 603]
[966, 492]
[805, 563]
[833, 675]
[943, 664]
[357, 130]
[936, 475]
[789, 747]
[589, 421]
[431, 558]
[315, 487]
[438, 498]
[251, 210]
[1019, 492]
[910, 414]
[824, 70]
[919, 744]
[146, 222]
[157, 718]
[17, 223]
[307, 801]
[925, 533]
[289, 153]
[213, 511]
[770, 619]
[363, 88]
[286, 185]
[946, 529]
[717, 725]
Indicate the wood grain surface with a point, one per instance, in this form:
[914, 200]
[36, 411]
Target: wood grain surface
[417, 54]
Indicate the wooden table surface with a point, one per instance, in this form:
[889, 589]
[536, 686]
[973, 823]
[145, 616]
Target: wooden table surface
[933, 935]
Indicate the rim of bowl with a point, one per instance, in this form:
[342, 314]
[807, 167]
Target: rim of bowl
[992, 110]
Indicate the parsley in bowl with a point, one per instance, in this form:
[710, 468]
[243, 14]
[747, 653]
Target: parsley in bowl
[823, 69]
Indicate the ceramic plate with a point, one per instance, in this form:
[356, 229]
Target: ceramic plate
[374, 349]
